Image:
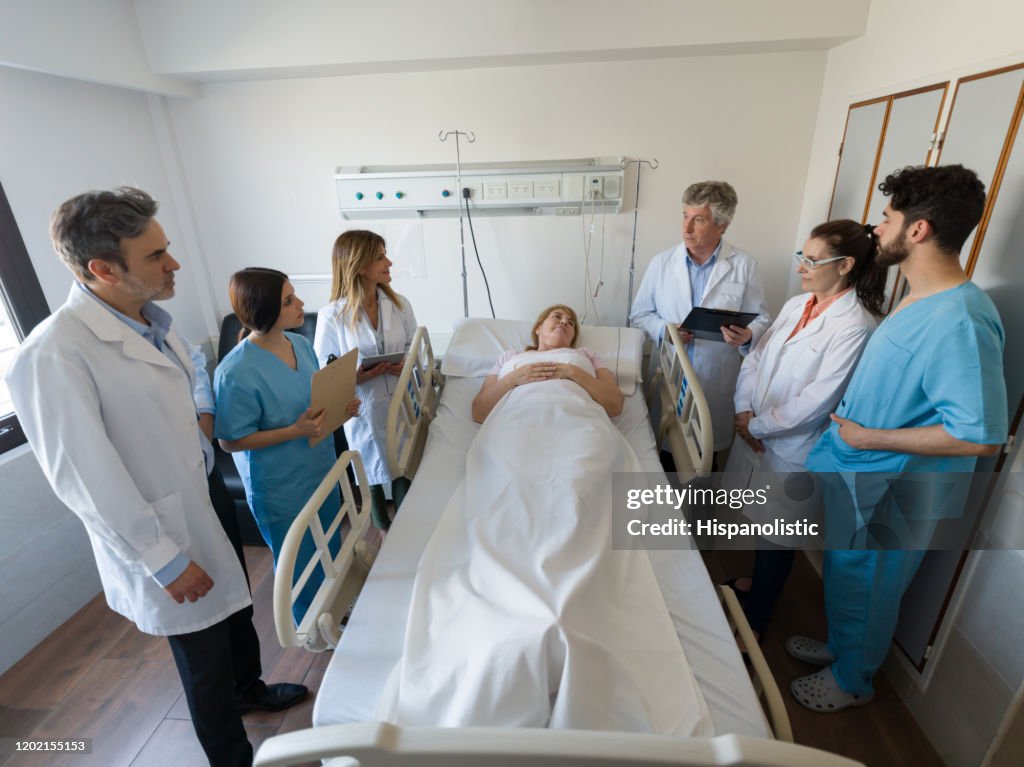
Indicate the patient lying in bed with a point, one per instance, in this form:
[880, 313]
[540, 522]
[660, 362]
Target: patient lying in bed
[522, 615]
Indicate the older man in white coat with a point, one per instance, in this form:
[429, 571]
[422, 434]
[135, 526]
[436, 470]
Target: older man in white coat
[705, 270]
[104, 391]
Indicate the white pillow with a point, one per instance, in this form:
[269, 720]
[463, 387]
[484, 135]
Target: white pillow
[478, 342]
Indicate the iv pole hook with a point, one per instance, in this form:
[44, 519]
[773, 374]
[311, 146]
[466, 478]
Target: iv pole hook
[652, 164]
[470, 138]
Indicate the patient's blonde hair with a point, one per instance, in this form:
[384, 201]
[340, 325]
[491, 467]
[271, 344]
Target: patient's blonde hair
[354, 251]
[544, 315]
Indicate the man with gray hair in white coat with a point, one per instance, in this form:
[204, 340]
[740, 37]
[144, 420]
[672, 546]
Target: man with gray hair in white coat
[105, 390]
[705, 270]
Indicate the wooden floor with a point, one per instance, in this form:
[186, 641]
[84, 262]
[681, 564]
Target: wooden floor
[880, 734]
[98, 677]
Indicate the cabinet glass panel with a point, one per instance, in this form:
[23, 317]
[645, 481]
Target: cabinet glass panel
[857, 163]
[999, 270]
[978, 125]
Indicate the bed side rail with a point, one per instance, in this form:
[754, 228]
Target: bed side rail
[344, 573]
[413, 406]
[761, 675]
[377, 744]
[685, 424]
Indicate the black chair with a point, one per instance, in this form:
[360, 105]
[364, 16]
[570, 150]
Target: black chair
[230, 329]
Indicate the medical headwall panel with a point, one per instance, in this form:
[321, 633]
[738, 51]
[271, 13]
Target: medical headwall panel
[857, 157]
[557, 187]
[983, 107]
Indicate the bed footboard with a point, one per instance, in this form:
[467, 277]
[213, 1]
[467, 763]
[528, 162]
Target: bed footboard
[413, 406]
[344, 573]
[377, 744]
[684, 427]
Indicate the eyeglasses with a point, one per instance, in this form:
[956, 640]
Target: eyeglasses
[804, 261]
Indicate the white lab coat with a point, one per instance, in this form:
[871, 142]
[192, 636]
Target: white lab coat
[112, 422]
[792, 386]
[664, 297]
[367, 431]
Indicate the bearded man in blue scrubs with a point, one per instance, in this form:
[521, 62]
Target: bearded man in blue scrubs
[927, 396]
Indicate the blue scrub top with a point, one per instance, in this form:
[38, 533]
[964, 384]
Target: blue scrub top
[256, 391]
[938, 361]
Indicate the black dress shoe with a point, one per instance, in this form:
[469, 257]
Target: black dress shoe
[273, 697]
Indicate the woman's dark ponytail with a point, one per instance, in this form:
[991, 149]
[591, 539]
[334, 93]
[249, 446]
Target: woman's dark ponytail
[846, 237]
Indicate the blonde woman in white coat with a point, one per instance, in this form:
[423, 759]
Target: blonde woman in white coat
[790, 383]
[366, 314]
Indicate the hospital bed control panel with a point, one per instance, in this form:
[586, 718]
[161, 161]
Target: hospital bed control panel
[561, 187]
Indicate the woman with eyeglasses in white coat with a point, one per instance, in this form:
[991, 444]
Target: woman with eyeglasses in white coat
[789, 385]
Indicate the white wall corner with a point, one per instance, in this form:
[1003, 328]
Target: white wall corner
[99, 42]
[170, 157]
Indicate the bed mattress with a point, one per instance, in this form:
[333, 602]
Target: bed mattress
[373, 639]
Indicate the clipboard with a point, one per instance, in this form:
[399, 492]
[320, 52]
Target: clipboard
[706, 323]
[331, 389]
[374, 360]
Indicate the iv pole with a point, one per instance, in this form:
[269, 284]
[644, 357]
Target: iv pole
[470, 137]
[652, 164]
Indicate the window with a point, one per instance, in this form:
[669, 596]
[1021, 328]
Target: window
[22, 307]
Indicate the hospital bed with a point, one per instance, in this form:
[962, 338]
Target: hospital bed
[429, 437]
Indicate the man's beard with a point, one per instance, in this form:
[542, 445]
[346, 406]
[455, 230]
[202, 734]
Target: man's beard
[141, 290]
[895, 252]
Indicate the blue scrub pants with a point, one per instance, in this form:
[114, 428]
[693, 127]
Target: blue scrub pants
[863, 591]
[274, 532]
[866, 570]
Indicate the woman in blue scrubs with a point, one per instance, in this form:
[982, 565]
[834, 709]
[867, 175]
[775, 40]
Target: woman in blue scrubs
[264, 417]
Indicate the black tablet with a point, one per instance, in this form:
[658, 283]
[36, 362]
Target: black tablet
[391, 359]
[707, 324]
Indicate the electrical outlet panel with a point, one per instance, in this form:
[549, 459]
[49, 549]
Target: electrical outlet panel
[547, 188]
[520, 190]
[495, 190]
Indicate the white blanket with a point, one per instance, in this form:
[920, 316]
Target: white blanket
[522, 615]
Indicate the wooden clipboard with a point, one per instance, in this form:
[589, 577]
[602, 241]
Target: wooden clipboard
[331, 389]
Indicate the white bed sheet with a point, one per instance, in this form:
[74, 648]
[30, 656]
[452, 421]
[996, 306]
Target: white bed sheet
[373, 640]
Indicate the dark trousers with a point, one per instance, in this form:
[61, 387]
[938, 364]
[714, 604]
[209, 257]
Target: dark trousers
[668, 463]
[378, 501]
[771, 569]
[220, 664]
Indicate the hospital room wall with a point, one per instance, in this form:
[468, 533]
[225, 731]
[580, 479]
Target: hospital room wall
[259, 159]
[58, 137]
[910, 44]
[255, 165]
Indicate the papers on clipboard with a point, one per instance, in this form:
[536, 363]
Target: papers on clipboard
[707, 323]
[331, 390]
